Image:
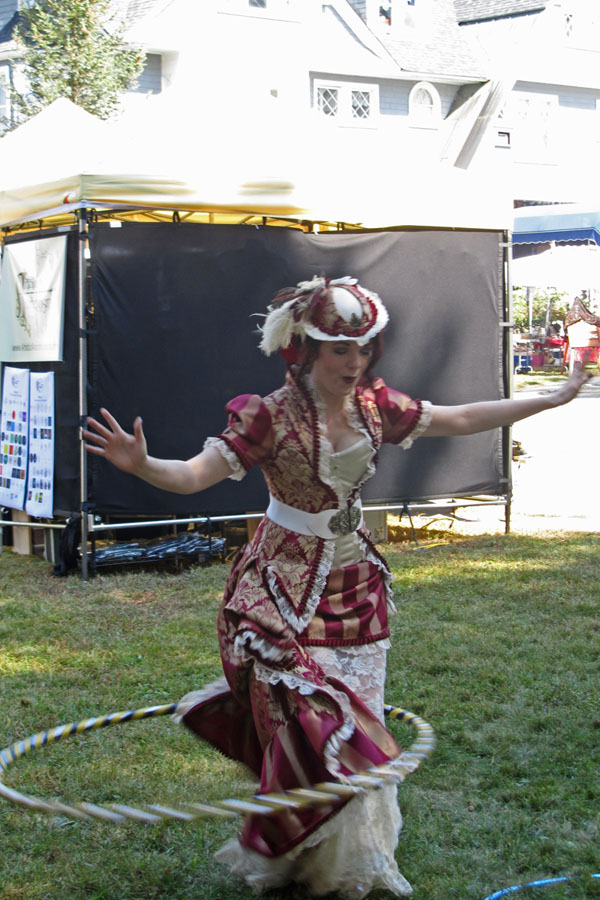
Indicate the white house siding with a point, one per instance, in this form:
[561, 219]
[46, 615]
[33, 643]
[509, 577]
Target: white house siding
[567, 95]
[393, 97]
[570, 118]
[150, 80]
[447, 94]
[550, 120]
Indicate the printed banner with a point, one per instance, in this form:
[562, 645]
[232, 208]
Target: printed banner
[32, 291]
[14, 433]
[40, 477]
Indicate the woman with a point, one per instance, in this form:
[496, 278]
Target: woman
[303, 627]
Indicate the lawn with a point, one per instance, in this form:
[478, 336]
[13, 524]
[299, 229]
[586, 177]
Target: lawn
[495, 644]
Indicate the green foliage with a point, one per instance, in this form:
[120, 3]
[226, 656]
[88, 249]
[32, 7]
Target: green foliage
[541, 315]
[73, 49]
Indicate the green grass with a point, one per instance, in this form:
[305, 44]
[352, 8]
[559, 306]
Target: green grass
[495, 644]
[539, 378]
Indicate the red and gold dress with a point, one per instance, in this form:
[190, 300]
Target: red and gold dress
[303, 635]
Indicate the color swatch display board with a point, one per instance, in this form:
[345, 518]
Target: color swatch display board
[27, 441]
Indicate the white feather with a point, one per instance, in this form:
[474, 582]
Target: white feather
[278, 329]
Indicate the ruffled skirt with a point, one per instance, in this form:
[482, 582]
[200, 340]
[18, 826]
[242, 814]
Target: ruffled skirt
[353, 852]
[297, 715]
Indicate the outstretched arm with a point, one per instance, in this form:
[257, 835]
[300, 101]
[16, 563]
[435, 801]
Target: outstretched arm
[129, 453]
[471, 418]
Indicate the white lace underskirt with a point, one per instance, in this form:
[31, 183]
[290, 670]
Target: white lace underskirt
[353, 852]
[361, 668]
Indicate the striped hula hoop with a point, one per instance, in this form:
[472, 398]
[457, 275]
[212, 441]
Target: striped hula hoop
[258, 804]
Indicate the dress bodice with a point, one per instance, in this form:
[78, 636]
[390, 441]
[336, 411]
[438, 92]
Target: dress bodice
[348, 468]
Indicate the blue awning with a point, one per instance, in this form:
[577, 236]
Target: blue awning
[561, 223]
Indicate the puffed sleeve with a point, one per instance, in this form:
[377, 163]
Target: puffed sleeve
[403, 419]
[248, 438]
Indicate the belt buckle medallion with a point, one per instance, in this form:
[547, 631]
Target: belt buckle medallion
[345, 521]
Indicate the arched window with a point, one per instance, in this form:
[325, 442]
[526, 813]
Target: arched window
[424, 107]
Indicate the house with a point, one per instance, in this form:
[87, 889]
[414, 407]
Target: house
[547, 54]
[507, 89]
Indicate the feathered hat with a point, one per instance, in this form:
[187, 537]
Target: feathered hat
[327, 309]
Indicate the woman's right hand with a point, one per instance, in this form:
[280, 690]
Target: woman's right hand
[127, 452]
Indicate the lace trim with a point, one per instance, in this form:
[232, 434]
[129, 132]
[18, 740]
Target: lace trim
[237, 469]
[407, 761]
[332, 748]
[356, 422]
[326, 446]
[285, 607]
[293, 682]
[208, 692]
[264, 648]
[365, 649]
[351, 854]
[421, 426]
[358, 668]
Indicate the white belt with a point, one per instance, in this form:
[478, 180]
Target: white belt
[329, 524]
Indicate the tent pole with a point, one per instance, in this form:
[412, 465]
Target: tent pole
[508, 362]
[83, 408]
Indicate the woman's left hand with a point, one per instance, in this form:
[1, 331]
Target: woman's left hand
[570, 389]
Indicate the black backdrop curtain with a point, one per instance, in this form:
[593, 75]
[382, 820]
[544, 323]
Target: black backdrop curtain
[175, 338]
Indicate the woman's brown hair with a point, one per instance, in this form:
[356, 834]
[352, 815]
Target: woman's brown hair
[308, 350]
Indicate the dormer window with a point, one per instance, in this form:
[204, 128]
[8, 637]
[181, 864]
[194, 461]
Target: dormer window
[568, 25]
[347, 103]
[424, 107]
[327, 101]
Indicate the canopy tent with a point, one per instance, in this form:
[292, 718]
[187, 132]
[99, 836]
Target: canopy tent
[569, 268]
[182, 188]
[159, 158]
[561, 222]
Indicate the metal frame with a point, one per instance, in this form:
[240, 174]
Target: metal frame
[90, 526]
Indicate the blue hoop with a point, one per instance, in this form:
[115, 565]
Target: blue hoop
[540, 883]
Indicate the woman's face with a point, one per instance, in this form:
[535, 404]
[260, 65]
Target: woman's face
[339, 366]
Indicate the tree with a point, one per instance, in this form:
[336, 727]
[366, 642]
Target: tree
[73, 49]
[546, 307]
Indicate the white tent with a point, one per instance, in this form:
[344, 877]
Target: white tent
[157, 160]
[158, 157]
[570, 268]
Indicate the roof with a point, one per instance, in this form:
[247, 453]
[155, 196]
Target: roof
[114, 165]
[481, 10]
[133, 11]
[6, 32]
[442, 48]
[558, 222]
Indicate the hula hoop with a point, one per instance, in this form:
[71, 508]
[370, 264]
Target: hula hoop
[540, 883]
[258, 804]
